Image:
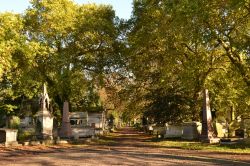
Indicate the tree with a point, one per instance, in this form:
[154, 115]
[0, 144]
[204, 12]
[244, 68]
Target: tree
[182, 47]
[16, 62]
[77, 46]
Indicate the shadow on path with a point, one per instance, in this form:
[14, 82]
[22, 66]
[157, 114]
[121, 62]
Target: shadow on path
[131, 148]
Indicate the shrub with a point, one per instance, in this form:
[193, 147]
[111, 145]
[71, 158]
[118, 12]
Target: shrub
[14, 122]
[25, 135]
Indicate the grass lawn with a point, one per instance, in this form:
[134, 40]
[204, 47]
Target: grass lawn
[189, 145]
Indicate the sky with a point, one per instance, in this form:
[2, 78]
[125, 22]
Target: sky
[123, 8]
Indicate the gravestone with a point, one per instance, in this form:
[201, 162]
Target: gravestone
[8, 136]
[173, 131]
[207, 134]
[246, 125]
[65, 131]
[191, 130]
[221, 130]
[45, 119]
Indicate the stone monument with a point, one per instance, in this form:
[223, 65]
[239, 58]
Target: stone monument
[191, 130]
[8, 136]
[65, 131]
[44, 117]
[207, 133]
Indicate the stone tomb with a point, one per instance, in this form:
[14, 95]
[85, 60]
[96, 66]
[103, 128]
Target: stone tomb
[173, 131]
[97, 120]
[159, 131]
[8, 136]
[191, 130]
[79, 125]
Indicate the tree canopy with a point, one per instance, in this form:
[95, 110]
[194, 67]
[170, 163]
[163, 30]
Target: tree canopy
[156, 64]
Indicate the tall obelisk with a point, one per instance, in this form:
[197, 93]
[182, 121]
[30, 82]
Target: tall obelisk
[207, 124]
[65, 131]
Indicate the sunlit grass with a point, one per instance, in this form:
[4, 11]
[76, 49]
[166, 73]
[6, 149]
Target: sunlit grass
[188, 145]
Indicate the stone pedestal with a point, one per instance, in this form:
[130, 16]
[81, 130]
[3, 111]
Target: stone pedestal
[65, 131]
[46, 121]
[207, 134]
[8, 137]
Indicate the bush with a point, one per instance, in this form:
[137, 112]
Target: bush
[14, 122]
[25, 135]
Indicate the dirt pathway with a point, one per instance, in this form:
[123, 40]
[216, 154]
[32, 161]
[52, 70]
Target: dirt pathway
[129, 148]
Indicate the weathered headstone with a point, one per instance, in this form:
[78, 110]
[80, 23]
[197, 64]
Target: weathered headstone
[191, 130]
[45, 119]
[173, 131]
[221, 130]
[246, 125]
[207, 134]
[65, 130]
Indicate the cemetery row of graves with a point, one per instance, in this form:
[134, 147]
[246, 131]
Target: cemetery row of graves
[177, 69]
[41, 128]
[35, 129]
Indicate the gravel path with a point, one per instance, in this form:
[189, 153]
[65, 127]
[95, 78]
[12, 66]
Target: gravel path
[130, 149]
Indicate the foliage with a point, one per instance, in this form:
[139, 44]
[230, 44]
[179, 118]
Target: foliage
[155, 64]
[168, 106]
[25, 135]
[17, 61]
[14, 122]
[65, 45]
[189, 46]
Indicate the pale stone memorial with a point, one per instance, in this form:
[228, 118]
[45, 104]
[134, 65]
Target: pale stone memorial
[79, 125]
[191, 130]
[45, 119]
[97, 118]
[8, 136]
[97, 121]
[173, 131]
[207, 134]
